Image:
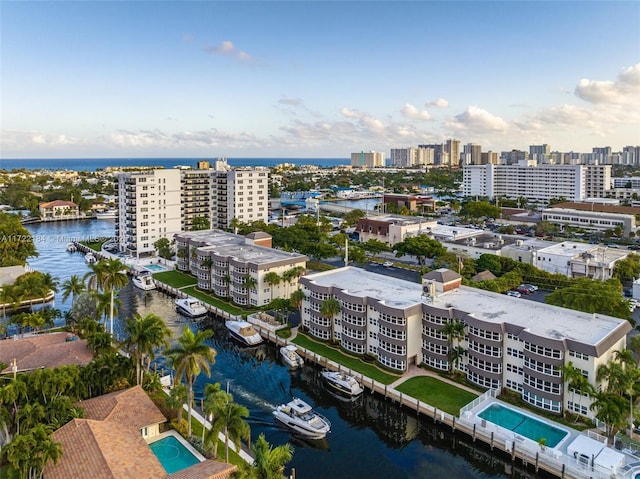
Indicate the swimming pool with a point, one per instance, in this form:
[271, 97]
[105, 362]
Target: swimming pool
[523, 424]
[155, 267]
[172, 454]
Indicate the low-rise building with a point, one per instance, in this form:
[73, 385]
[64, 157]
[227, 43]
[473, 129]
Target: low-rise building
[592, 216]
[507, 342]
[59, 210]
[239, 268]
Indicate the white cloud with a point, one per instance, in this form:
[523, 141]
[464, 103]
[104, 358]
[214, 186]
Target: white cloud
[227, 48]
[410, 111]
[477, 121]
[625, 89]
[439, 103]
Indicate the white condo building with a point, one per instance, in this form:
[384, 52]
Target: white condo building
[536, 182]
[507, 342]
[154, 204]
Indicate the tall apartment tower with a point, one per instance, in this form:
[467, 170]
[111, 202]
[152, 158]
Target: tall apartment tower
[369, 159]
[403, 157]
[600, 156]
[149, 208]
[631, 155]
[160, 203]
[472, 154]
[539, 153]
[452, 147]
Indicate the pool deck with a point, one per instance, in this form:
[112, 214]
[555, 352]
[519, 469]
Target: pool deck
[558, 457]
[180, 439]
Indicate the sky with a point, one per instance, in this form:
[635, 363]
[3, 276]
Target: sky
[314, 79]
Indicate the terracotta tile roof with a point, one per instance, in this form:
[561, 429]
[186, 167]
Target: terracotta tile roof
[442, 275]
[44, 351]
[54, 203]
[103, 450]
[206, 470]
[129, 407]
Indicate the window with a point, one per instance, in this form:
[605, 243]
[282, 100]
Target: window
[513, 385]
[542, 385]
[543, 368]
[542, 351]
[575, 354]
[577, 408]
[393, 319]
[481, 333]
[485, 365]
[434, 348]
[483, 381]
[393, 348]
[541, 403]
[397, 364]
[393, 333]
[484, 349]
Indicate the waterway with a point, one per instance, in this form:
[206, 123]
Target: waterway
[370, 438]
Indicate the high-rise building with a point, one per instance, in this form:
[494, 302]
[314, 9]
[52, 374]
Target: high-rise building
[369, 159]
[539, 153]
[402, 157]
[156, 204]
[471, 154]
[600, 155]
[537, 183]
[452, 148]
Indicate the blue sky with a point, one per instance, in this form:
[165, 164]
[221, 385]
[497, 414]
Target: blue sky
[314, 79]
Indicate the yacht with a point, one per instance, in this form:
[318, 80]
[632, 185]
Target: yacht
[244, 332]
[343, 383]
[71, 248]
[109, 214]
[90, 258]
[298, 416]
[290, 355]
[190, 307]
[144, 281]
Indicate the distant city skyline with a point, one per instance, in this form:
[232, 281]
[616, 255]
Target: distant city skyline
[314, 79]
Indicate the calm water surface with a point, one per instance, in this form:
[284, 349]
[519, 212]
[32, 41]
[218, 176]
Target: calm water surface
[370, 438]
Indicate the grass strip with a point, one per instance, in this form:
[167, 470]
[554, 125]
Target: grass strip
[355, 364]
[175, 279]
[443, 396]
[213, 301]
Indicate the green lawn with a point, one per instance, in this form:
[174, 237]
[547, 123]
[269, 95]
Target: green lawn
[441, 395]
[175, 279]
[95, 245]
[355, 364]
[213, 301]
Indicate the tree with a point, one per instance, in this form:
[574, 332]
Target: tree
[16, 242]
[74, 286]
[207, 263]
[420, 246]
[478, 209]
[176, 399]
[144, 336]
[576, 381]
[163, 247]
[235, 427]
[591, 296]
[191, 357]
[200, 223]
[454, 331]
[272, 279]
[375, 247]
[297, 297]
[610, 409]
[351, 218]
[114, 279]
[329, 309]
[269, 462]
[627, 269]
[213, 406]
[250, 283]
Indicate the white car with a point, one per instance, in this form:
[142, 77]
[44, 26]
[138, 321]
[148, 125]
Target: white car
[387, 264]
[515, 294]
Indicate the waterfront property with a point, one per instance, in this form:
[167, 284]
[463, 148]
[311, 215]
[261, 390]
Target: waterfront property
[112, 441]
[238, 267]
[174, 453]
[507, 343]
[518, 422]
[58, 210]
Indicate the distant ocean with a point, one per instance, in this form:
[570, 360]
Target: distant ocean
[93, 164]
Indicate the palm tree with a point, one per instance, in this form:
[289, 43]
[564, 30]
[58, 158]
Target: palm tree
[611, 409]
[207, 263]
[95, 276]
[454, 330]
[272, 279]
[144, 336]
[191, 357]
[297, 297]
[235, 427]
[176, 398]
[73, 287]
[270, 461]
[213, 404]
[575, 381]
[114, 279]
[329, 309]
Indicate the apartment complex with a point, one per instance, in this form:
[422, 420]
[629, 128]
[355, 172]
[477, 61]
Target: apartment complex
[154, 204]
[507, 342]
[235, 267]
[445, 154]
[368, 159]
[536, 183]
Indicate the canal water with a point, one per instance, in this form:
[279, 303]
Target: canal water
[370, 437]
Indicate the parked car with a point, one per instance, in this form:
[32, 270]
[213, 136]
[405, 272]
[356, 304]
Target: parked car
[531, 287]
[387, 264]
[515, 294]
[523, 290]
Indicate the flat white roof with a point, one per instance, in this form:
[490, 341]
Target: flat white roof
[539, 318]
[567, 248]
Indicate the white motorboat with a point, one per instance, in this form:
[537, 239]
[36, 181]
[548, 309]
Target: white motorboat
[342, 383]
[90, 258]
[298, 416]
[190, 307]
[244, 332]
[290, 355]
[109, 214]
[144, 281]
[71, 248]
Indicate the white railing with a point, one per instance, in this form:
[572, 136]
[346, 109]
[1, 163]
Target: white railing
[490, 394]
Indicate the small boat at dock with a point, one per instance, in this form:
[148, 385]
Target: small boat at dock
[244, 332]
[298, 416]
[290, 356]
[190, 307]
[342, 383]
[144, 281]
